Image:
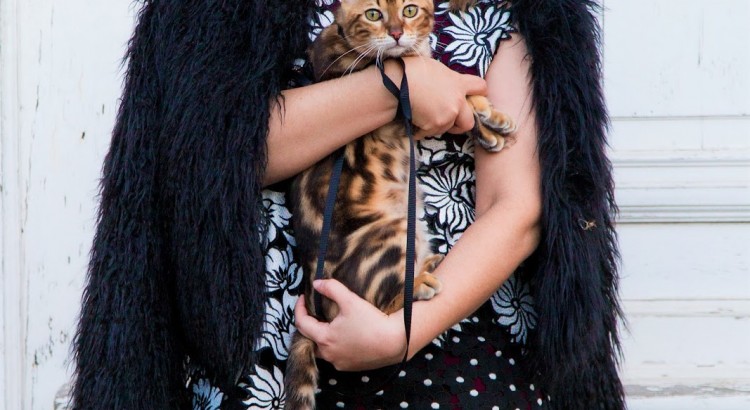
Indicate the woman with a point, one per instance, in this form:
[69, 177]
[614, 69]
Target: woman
[177, 271]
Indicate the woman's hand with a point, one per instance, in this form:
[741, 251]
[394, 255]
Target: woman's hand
[361, 337]
[438, 95]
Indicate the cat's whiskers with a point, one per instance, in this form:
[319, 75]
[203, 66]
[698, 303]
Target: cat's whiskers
[349, 70]
[341, 56]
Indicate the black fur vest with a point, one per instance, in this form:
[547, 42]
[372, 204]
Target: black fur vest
[176, 267]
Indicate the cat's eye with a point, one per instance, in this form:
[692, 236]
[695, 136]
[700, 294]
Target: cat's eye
[410, 11]
[373, 15]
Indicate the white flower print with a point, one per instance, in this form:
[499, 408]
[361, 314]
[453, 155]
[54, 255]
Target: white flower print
[282, 272]
[278, 216]
[320, 20]
[278, 325]
[431, 149]
[449, 194]
[515, 308]
[266, 389]
[476, 36]
[205, 396]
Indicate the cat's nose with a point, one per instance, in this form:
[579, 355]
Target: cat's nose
[396, 33]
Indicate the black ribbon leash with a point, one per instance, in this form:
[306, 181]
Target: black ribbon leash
[404, 109]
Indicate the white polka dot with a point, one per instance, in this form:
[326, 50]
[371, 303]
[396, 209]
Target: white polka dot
[512, 361]
[340, 405]
[531, 387]
[498, 353]
[380, 393]
[401, 373]
[460, 379]
[474, 362]
[481, 339]
[474, 393]
[427, 382]
[404, 405]
[435, 406]
[365, 379]
[332, 382]
[512, 387]
[456, 339]
[497, 408]
[539, 401]
[475, 319]
[493, 376]
[428, 356]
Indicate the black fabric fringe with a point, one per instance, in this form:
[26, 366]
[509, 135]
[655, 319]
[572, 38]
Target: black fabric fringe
[574, 270]
[176, 267]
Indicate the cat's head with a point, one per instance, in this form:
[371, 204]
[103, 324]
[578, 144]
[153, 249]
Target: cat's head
[387, 28]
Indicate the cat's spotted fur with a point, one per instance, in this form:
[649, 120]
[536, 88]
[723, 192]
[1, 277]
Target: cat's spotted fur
[367, 240]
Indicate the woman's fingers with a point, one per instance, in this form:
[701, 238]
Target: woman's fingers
[312, 327]
[308, 325]
[464, 121]
[337, 292]
[438, 97]
[474, 85]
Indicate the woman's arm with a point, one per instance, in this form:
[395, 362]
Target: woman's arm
[508, 206]
[315, 120]
[505, 233]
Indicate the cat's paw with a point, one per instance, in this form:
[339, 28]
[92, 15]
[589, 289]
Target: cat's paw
[426, 286]
[491, 127]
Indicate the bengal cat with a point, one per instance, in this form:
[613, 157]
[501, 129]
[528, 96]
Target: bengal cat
[366, 247]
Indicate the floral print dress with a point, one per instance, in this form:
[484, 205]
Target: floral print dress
[475, 364]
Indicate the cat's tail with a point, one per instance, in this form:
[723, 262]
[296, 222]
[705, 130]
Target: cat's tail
[301, 378]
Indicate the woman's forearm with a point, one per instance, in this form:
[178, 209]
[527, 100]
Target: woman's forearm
[487, 254]
[313, 121]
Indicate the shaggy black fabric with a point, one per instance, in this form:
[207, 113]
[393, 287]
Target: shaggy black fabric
[574, 270]
[176, 267]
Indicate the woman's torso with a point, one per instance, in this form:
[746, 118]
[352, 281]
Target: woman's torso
[475, 364]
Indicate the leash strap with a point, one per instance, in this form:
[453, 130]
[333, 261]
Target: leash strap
[404, 109]
[325, 232]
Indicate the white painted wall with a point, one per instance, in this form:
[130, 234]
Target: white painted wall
[60, 73]
[677, 78]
